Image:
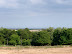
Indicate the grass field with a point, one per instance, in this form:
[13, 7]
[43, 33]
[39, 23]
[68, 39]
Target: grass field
[36, 50]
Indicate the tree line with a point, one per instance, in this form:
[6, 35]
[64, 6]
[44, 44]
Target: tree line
[50, 36]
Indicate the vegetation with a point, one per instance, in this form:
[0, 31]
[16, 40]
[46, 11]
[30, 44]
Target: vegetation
[50, 36]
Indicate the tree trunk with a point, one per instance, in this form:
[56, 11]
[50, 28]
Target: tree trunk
[21, 40]
[7, 41]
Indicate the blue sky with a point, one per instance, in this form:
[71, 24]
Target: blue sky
[35, 13]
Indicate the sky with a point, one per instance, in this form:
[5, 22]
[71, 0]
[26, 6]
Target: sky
[35, 13]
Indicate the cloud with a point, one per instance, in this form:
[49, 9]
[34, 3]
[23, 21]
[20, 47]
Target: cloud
[59, 1]
[19, 3]
[67, 2]
[8, 3]
[37, 1]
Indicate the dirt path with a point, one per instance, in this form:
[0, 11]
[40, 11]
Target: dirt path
[65, 50]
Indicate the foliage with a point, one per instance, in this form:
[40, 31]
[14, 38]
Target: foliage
[42, 38]
[49, 36]
[26, 42]
[14, 39]
[2, 40]
[56, 36]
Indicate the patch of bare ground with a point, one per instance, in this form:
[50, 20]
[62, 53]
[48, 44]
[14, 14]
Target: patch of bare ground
[62, 50]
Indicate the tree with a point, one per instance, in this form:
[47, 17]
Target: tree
[20, 33]
[29, 33]
[24, 34]
[14, 39]
[2, 40]
[13, 32]
[69, 36]
[7, 33]
[42, 38]
[56, 36]
[26, 42]
[34, 39]
[63, 36]
[50, 30]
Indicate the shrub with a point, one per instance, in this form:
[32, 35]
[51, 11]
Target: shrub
[26, 42]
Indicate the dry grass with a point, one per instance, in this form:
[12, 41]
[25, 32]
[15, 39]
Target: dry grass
[36, 50]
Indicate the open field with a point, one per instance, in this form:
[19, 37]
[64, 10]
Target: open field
[36, 50]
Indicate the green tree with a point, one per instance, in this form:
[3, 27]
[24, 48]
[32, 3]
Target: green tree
[14, 39]
[69, 35]
[26, 42]
[21, 34]
[7, 33]
[42, 38]
[13, 32]
[56, 36]
[50, 30]
[2, 40]
[63, 36]
[24, 34]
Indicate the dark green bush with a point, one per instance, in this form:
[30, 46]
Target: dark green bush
[26, 42]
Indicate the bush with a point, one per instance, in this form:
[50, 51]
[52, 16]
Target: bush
[41, 39]
[14, 40]
[26, 42]
[70, 44]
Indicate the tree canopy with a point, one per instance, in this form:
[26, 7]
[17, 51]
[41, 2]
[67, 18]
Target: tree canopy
[49, 36]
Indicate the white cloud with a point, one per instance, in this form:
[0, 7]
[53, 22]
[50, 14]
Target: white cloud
[68, 2]
[8, 3]
[37, 1]
[59, 1]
